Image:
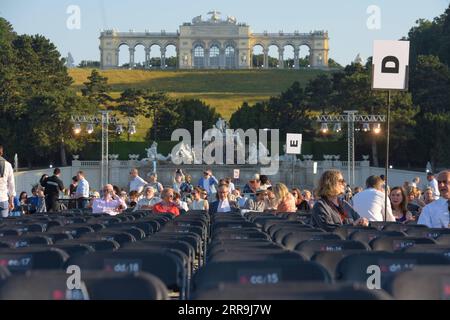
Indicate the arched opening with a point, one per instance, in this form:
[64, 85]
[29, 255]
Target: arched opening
[273, 56]
[258, 56]
[230, 57]
[155, 57]
[288, 56]
[171, 56]
[124, 56]
[214, 57]
[139, 56]
[304, 56]
[199, 57]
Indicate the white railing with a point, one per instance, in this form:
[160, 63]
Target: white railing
[89, 163]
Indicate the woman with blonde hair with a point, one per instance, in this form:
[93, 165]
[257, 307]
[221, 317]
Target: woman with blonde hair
[331, 210]
[285, 199]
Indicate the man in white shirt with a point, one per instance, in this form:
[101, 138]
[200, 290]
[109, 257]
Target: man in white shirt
[110, 203]
[370, 202]
[82, 192]
[433, 184]
[436, 214]
[7, 186]
[136, 182]
[223, 204]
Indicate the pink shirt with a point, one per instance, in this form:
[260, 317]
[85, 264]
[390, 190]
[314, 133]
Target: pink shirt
[287, 204]
[108, 206]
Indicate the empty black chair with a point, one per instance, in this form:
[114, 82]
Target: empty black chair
[397, 243]
[281, 234]
[54, 236]
[330, 259]
[261, 255]
[145, 226]
[74, 249]
[422, 283]
[281, 227]
[432, 233]
[136, 232]
[164, 263]
[193, 239]
[443, 239]
[291, 240]
[75, 230]
[403, 227]
[240, 235]
[366, 236]
[182, 246]
[430, 248]
[380, 225]
[9, 232]
[290, 291]
[25, 240]
[52, 285]
[98, 245]
[346, 230]
[24, 259]
[354, 267]
[116, 235]
[309, 248]
[258, 272]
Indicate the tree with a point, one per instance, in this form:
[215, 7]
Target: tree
[35, 95]
[430, 85]
[131, 103]
[96, 90]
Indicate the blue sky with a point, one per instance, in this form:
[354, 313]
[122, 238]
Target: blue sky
[345, 20]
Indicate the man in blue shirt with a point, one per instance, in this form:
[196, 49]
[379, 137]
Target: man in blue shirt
[208, 183]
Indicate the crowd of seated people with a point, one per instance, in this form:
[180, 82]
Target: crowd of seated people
[332, 202]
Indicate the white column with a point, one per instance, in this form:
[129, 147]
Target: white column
[131, 57]
[266, 58]
[281, 58]
[147, 58]
[206, 58]
[297, 58]
[163, 58]
[222, 63]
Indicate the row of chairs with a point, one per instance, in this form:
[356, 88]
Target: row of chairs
[159, 251]
[244, 263]
[267, 256]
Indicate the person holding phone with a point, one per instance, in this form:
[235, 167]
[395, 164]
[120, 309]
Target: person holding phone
[110, 203]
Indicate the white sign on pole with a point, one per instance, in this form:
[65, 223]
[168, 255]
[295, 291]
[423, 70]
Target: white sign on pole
[390, 65]
[293, 143]
[236, 173]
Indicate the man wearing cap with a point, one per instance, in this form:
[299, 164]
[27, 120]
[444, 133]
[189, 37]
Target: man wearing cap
[7, 186]
[208, 182]
[260, 203]
[253, 184]
[433, 184]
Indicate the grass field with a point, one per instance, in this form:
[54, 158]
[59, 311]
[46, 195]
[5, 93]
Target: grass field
[225, 90]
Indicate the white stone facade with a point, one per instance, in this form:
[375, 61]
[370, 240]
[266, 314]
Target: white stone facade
[214, 44]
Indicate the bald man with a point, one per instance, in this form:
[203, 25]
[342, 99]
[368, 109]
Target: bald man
[436, 214]
[110, 203]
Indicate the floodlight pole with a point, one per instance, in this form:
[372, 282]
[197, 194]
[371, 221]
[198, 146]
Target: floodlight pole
[350, 118]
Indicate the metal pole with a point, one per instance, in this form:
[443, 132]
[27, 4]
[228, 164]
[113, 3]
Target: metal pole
[388, 121]
[104, 166]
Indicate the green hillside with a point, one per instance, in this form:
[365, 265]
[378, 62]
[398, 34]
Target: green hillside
[225, 90]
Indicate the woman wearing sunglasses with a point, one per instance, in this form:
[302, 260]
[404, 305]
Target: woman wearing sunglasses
[331, 210]
[167, 205]
[197, 202]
